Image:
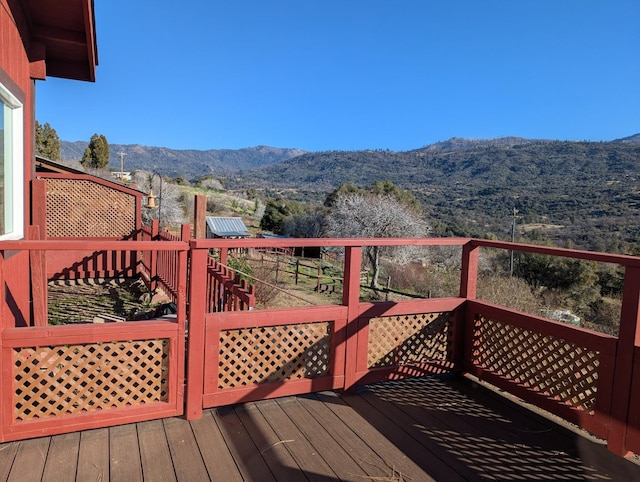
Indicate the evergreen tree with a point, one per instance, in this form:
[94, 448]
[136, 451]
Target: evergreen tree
[47, 142]
[96, 155]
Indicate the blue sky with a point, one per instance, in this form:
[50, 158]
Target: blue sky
[353, 74]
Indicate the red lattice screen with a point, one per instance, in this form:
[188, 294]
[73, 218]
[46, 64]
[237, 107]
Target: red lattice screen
[288, 352]
[407, 339]
[59, 380]
[548, 365]
[82, 208]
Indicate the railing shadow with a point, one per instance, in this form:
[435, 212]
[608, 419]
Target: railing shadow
[480, 436]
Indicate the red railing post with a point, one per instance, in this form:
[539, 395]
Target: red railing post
[628, 339]
[351, 299]
[459, 321]
[469, 271]
[196, 340]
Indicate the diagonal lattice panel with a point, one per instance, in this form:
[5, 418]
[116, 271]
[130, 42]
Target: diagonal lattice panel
[69, 379]
[549, 365]
[258, 355]
[83, 208]
[406, 339]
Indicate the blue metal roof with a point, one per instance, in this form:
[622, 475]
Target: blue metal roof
[226, 227]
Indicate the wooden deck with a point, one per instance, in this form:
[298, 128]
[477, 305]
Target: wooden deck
[442, 428]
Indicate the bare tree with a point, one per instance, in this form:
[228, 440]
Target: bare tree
[358, 215]
[170, 211]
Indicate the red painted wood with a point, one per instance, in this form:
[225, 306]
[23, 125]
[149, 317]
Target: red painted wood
[196, 341]
[469, 271]
[88, 333]
[351, 299]
[38, 281]
[580, 336]
[628, 340]
[324, 242]
[272, 390]
[408, 307]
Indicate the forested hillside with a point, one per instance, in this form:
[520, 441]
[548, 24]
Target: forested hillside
[584, 194]
[190, 163]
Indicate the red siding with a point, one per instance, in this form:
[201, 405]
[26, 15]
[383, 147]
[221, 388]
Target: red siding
[14, 74]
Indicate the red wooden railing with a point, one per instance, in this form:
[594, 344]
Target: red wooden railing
[588, 378]
[65, 378]
[570, 371]
[225, 290]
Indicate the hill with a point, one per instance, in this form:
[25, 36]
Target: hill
[190, 164]
[584, 194]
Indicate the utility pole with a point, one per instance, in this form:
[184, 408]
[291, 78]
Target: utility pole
[513, 237]
[122, 154]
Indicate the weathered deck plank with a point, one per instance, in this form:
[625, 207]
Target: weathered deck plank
[416, 430]
[186, 457]
[272, 448]
[250, 461]
[215, 453]
[396, 462]
[124, 451]
[62, 459]
[155, 456]
[319, 436]
[305, 455]
[29, 460]
[345, 438]
[93, 459]
[8, 453]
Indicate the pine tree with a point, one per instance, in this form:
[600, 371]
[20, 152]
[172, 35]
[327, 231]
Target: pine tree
[47, 142]
[96, 155]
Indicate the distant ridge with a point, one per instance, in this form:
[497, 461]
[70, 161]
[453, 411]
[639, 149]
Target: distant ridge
[188, 163]
[462, 143]
[633, 138]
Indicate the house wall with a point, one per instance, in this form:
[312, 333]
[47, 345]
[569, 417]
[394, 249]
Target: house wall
[15, 74]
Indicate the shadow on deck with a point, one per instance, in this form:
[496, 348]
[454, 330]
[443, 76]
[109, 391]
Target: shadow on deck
[437, 428]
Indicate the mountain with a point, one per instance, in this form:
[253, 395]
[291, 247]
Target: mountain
[581, 194]
[633, 138]
[585, 194]
[463, 144]
[190, 164]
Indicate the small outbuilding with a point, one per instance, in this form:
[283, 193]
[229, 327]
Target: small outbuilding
[226, 227]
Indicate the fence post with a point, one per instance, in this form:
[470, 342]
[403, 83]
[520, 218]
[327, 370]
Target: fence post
[196, 340]
[459, 320]
[628, 339]
[200, 216]
[469, 271]
[351, 298]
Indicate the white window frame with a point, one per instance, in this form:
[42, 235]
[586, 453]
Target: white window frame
[13, 165]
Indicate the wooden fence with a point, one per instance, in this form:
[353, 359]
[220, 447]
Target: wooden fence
[236, 356]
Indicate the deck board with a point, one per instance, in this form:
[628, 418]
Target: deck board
[124, 451]
[30, 460]
[396, 462]
[62, 458]
[185, 455]
[323, 444]
[437, 428]
[93, 457]
[250, 461]
[345, 438]
[273, 449]
[8, 453]
[155, 456]
[215, 453]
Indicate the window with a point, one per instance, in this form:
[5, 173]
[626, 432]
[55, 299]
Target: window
[11, 167]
